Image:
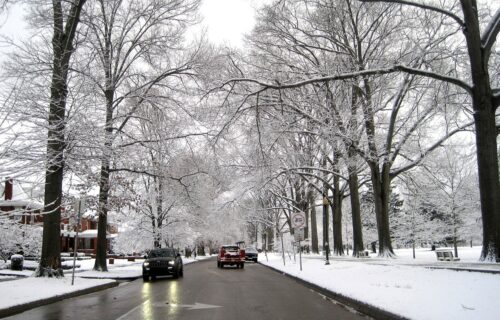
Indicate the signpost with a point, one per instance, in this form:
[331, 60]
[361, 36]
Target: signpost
[298, 235]
[79, 206]
[298, 224]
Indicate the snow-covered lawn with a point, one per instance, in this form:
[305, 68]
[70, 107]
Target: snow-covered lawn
[404, 286]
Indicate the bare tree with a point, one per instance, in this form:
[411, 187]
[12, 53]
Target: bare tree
[359, 44]
[485, 102]
[139, 47]
[65, 18]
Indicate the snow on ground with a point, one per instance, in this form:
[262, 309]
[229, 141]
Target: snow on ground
[404, 286]
[29, 289]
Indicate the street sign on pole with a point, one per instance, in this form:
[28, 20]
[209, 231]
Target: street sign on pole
[298, 234]
[298, 220]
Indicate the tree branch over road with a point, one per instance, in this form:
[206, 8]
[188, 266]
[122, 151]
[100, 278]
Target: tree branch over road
[352, 75]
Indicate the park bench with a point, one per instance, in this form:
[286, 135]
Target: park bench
[445, 255]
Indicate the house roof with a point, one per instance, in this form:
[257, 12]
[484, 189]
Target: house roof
[20, 198]
[87, 234]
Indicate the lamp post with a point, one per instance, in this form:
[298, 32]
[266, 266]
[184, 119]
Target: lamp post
[326, 246]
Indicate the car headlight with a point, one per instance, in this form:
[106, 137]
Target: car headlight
[171, 263]
[146, 264]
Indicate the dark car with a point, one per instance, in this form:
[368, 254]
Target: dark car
[162, 262]
[251, 254]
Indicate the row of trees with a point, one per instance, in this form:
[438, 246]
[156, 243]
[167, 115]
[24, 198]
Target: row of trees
[332, 100]
[339, 94]
[99, 96]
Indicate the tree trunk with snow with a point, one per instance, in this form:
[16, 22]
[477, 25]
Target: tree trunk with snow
[314, 223]
[357, 230]
[336, 205]
[104, 184]
[62, 45]
[485, 105]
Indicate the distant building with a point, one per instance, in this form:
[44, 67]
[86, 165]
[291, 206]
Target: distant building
[17, 205]
[87, 234]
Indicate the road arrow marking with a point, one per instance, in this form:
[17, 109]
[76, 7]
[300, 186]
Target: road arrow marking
[196, 306]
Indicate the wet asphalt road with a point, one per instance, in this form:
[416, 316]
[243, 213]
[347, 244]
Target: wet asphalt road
[205, 292]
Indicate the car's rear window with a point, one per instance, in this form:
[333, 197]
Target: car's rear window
[161, 253]
[231, 248]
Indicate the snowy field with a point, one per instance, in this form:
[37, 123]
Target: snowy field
[403, 285]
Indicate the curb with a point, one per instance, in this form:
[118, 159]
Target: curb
[131, 278]
[38, 303]
[361, 307]
[463, 269]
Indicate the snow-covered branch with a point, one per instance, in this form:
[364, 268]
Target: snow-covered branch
[352, 75]
[423, 6]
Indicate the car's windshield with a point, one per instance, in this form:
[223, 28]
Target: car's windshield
[231, 248]
[161, 253]
[250, 249]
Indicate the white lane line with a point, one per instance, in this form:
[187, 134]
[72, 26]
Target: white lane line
[131, 311]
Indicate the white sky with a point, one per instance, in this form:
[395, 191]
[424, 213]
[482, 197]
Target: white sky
[226, 21]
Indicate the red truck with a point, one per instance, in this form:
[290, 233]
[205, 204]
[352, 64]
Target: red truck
[231, 255]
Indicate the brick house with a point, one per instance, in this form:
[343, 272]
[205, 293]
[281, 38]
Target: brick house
[16, 204]
[87, 234]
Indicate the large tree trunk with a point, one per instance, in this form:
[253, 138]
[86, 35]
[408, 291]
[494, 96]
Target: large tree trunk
[380, 181]
[62, 45]
[381, 196]
[50, 262]
[314, 223]
[488, 184]
[357, 230]
[102, 247]
[326, 202]
[486, 132]
[336, 205]
[159, 213]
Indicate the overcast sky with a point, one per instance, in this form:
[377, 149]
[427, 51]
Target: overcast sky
[225, 20]
[228, 20]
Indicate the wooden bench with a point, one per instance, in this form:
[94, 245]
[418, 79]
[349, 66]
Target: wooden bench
[445, 255]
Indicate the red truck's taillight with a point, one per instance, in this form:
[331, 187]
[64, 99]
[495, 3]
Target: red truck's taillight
[242, 254]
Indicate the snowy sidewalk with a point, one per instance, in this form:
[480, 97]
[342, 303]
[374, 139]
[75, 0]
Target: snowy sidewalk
[409, 288]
